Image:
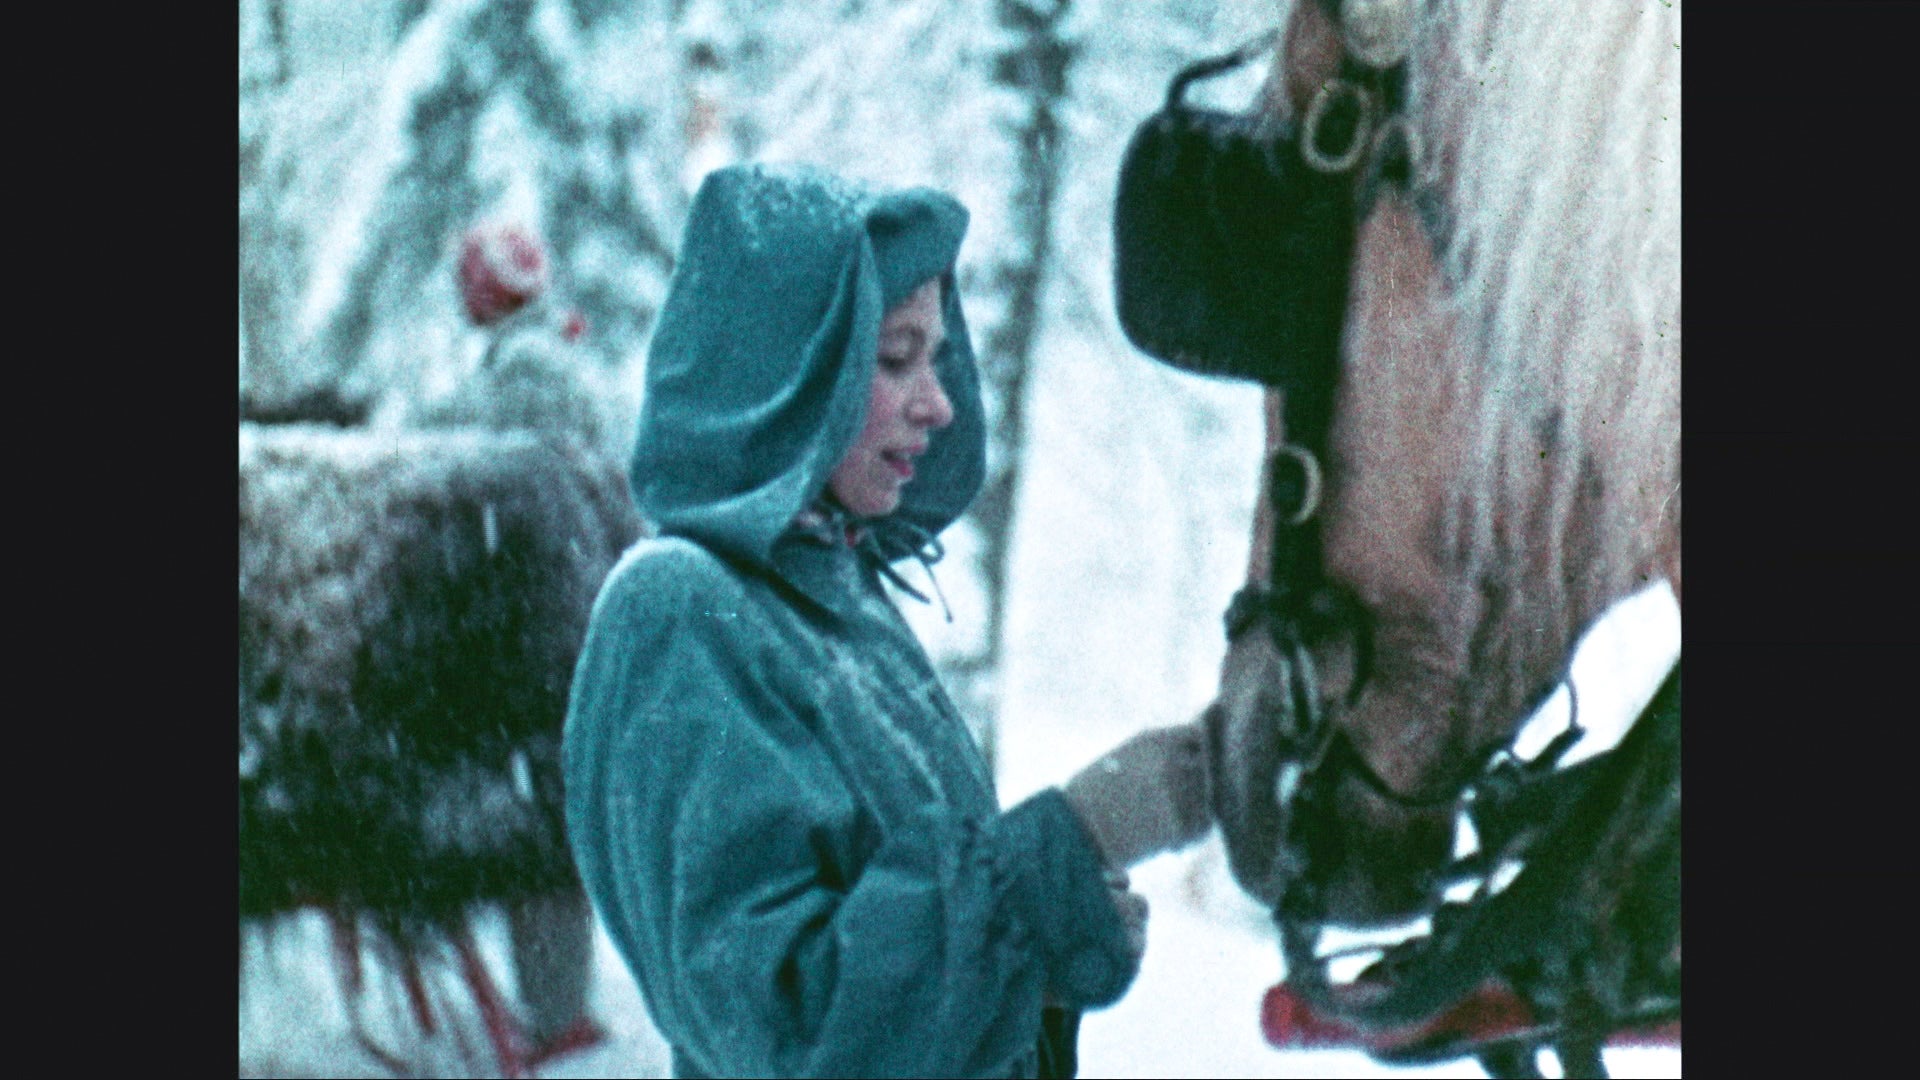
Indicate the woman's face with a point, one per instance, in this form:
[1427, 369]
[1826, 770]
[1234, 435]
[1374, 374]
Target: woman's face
[904, 407]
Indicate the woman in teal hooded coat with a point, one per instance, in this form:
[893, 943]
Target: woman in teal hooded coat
[783, 822]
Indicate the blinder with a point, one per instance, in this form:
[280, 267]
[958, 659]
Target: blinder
[1234, 232]
[1230, 250]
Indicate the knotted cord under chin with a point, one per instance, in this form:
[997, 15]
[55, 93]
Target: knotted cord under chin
[906, 540]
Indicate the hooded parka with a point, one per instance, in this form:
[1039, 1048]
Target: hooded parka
[783, 822]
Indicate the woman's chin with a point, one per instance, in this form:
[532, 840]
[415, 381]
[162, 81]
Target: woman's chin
[874, 505]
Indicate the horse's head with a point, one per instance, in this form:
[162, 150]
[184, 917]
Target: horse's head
[1501, 431]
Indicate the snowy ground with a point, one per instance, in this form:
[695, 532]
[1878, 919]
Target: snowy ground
[1194, 1011]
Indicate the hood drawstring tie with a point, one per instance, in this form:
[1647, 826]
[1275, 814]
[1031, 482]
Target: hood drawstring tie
[927, 565]
[923, 546]
[928, 552]
[833, 525]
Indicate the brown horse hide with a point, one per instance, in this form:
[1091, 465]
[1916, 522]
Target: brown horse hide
[1504, 454]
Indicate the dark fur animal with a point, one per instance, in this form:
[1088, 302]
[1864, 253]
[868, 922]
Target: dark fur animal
[411, 604]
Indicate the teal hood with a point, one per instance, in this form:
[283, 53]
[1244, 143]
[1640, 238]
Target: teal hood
[762, 359]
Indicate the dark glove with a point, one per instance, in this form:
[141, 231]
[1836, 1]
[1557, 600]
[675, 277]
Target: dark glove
[1148, 795]
[1132, 908]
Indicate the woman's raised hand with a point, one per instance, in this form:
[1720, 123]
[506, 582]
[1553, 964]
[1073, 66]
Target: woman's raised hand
[1147, 795]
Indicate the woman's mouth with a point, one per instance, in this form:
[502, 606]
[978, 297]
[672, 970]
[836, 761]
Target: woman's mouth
[900, 462]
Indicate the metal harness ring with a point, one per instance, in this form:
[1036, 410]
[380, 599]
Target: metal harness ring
[1335, 91]
[1310, 467]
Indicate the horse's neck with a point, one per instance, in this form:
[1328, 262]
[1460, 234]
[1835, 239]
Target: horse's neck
[1554, 155]
[1505, 453]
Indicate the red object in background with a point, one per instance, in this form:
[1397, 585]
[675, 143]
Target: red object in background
[1291, 1024]
[1490, 1013]
[584, 1034]
[1667, 1034]
[574, 327]
[502, 268]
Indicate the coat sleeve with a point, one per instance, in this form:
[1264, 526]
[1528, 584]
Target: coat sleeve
[774, 928]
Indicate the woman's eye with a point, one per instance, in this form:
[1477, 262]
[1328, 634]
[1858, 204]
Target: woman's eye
[896, 363]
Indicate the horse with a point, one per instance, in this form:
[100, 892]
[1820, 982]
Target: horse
[1446, 238]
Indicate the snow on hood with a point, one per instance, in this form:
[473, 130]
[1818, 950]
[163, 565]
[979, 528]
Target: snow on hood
[758, 375]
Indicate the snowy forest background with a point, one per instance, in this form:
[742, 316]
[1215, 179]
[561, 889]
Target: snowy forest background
[1086, 585]
[373, 134]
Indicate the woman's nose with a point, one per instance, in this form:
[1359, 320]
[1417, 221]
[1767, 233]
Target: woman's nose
[930, 406]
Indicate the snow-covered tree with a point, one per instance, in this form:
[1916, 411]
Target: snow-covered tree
[271, 246]
[590, 123]
[1139, 483]
[550, 113]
